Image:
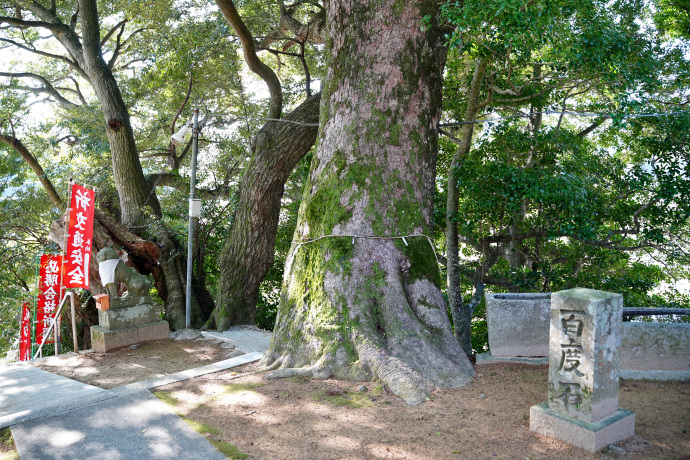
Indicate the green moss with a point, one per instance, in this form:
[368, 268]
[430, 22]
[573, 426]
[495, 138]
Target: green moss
[398, 7]
[201, 408]
[395, 132]
[377, 391]
[199, 427]
[351, 400]
[228, 449]
[422, 259]
[235, 387]
[299, 379]
[8, 445]
[167, 398]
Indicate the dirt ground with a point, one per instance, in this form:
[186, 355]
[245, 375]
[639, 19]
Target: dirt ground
[302, 418]
[299, 418]
[145, 361]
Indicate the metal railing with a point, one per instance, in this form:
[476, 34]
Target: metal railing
[55, 326]
[655, 311]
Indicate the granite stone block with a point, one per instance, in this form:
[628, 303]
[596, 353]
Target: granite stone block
[584, 353]
[589, 436]
[518, 324]
[104, 340]
[124, 317]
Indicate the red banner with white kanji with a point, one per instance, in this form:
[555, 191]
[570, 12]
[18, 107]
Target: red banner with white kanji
[49, 294]
[79, 234]
[25, 336]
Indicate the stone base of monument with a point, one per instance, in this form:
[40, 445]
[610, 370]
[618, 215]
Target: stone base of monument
[588, 436]
[104, 340]
[124, 317]
[129, 320]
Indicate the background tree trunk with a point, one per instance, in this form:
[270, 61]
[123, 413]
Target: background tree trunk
[359, 301]
[461, 314]
[138, 201]
[249, 249]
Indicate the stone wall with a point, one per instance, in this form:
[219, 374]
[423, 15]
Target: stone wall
[656, 346]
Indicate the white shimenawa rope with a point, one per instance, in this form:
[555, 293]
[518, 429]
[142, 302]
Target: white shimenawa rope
[354, 237]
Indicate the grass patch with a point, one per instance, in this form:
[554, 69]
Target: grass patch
[352, 400]
[378, 390]
[7, 445]
[228, 449]
[223, 447]
[235, 387]
[201, 407]
[167, 398]
[199, 427]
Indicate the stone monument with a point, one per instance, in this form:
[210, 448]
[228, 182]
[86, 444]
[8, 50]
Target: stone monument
[130, 319]
[584, 371]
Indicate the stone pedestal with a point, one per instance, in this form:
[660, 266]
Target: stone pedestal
[588, 436]
[129, 320]
[584, 371]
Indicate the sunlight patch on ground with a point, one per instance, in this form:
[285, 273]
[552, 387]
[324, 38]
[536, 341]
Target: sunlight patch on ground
[384, 451]
[64, 438]
[244, 397]
[267, 419]
[341, 442]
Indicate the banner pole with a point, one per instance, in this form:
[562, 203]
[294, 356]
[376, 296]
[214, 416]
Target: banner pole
[64, 254]
[74, 322]
[34, 339]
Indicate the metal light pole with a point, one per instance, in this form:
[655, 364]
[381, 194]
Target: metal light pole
[194, 211]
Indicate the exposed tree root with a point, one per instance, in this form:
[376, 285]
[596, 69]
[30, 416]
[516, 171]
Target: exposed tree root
[390, 328]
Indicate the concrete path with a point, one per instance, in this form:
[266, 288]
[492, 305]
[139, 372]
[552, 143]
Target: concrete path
[27, 393]
[247, 338]
[53, 417]
[137, 426]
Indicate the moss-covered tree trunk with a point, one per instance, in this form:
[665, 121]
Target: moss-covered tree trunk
[358, 300]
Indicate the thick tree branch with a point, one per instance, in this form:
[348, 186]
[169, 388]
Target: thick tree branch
[26, 24]
[63, 33]
[39, 52]
[591, 127]
[34, 165]
[120, 25]
[47, 88]
[227, 7]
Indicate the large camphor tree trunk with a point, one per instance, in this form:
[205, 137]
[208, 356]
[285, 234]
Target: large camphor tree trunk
[358, 300]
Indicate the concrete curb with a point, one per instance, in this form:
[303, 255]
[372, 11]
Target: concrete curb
[188, 374]
[655, 375]
[486, 358]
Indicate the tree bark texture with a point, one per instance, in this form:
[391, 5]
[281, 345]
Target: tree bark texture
[358, 300]
[249, 249]
[131, 184]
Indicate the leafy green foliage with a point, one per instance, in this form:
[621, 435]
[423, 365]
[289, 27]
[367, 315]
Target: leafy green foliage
[566, 201]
